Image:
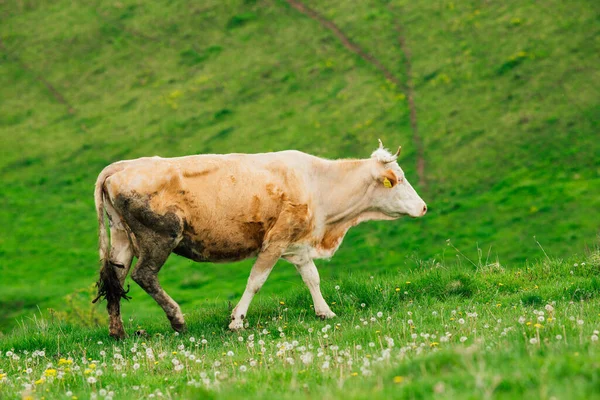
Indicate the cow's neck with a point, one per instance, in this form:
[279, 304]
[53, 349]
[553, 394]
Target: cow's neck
[347, 193]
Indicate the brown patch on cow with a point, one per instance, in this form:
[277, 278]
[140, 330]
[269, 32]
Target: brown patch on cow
[275, 192]
[202, 246]
[331, 239]
[334, 235]
[255, 209]
[190, 249]
[254, 233]
[293, 223]
[198, 174]
[171, 183]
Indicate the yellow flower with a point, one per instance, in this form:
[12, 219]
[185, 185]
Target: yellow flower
[50, 372]
[92, 366]
[408, 282]
[500, 284]
[433, 344]
[39, 381]
[28, 398]
[498, 305]
[87, 371]
[397, 289]
[538, 326]
[155, 362]
[174, 352]
[2, 376]
[528, 323]
[354, 374]
[282, 303]
[398, 379]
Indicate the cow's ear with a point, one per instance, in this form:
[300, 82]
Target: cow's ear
[389, 179]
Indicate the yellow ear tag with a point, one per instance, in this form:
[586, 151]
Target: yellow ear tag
[387, 183]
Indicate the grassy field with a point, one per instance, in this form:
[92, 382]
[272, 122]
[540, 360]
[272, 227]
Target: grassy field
[438, 331]
[506, 103]
[506, 98]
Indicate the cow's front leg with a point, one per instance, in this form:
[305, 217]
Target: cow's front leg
[310, 276]
[259, 274]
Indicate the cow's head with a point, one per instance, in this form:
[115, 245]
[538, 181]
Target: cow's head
[393, 195]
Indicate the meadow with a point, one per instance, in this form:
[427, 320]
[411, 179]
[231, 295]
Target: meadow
[495, 104]
[436, 331]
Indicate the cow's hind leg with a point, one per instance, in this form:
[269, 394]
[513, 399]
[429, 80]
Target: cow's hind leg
[156, 235]
[121, 255]
[114, 271]
[145, 274]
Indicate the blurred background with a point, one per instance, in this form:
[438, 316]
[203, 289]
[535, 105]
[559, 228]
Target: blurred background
[496, 106]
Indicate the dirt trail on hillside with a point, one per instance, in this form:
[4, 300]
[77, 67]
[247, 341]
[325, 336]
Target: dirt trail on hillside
[410, 97]
[407, 87]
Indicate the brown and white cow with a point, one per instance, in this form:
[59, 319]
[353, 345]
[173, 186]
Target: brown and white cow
[220, 208]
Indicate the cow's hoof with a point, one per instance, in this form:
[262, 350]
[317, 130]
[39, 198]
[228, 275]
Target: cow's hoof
[178, 326]
[118, 335]
[326, 315]
[236, 325]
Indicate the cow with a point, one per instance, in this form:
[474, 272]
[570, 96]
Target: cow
[221, 208]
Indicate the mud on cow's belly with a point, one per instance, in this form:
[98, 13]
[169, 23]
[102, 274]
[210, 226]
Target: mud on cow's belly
[213, 251]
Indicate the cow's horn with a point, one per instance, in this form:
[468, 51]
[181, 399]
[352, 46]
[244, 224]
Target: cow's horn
[380, 144]
[398, 152]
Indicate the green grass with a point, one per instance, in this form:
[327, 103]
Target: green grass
[437, 330]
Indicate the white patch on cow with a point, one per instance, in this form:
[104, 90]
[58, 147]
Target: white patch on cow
[382, 155]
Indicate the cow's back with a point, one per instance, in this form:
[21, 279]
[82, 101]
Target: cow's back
[227, 203]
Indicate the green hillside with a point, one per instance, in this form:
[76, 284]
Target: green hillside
[506, 96]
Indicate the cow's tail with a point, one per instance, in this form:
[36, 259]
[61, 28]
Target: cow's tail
[109, 285]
